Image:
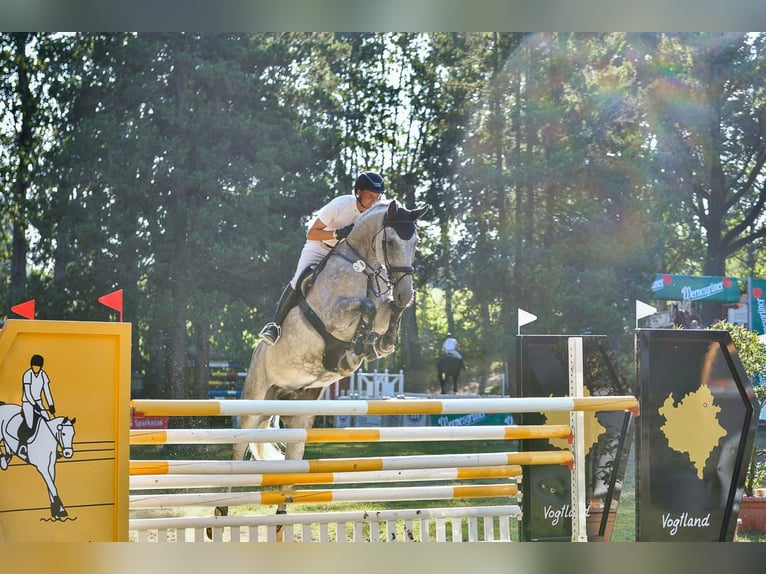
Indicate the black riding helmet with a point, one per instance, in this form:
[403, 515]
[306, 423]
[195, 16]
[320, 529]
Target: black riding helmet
[370, 181]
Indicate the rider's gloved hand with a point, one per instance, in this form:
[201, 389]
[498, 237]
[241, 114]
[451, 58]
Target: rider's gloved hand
[53, 410]
[343, 231]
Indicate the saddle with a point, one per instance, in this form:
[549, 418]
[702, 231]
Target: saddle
[31, 433]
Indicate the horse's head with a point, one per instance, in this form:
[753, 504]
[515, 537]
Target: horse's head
[395, 244]
[64, 432]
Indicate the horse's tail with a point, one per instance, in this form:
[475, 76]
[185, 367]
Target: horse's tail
[268, 450]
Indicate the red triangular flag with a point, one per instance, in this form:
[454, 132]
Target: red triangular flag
[25, 309]
[113, 300]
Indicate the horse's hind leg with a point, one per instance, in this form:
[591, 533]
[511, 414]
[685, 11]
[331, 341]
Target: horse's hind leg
[239, 452]
[295, 450]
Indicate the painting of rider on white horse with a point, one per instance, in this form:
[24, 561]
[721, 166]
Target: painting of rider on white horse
[32, 432]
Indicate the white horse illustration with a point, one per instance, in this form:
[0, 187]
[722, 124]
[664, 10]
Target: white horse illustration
[42, 450]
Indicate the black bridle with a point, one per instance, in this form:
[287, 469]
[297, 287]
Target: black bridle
[377, 283]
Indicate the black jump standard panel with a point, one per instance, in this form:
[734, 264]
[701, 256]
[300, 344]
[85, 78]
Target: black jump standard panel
[696, 431]
[543, 371]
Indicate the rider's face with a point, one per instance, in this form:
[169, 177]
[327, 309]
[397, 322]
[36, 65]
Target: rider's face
[367, 198]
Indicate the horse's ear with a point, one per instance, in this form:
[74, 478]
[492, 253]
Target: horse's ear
[393, 207]
[74, 420]
[417, 213]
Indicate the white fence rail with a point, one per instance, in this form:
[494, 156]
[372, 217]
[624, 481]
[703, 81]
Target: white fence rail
[473, 524]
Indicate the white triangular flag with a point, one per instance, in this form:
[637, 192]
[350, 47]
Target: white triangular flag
[644, 310]
[525, 317]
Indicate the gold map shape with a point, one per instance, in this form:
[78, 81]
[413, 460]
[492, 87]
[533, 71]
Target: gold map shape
[692, 426]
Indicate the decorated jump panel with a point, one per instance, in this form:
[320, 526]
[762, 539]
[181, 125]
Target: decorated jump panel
[64, 431]
[696, 430]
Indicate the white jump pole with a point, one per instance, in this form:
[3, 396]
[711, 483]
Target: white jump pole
[243, 407]
[314, 435]
[390, 494]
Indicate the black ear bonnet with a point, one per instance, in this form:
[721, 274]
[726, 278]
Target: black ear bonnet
[402, 220]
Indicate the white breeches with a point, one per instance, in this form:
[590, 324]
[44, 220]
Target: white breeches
[313, 252]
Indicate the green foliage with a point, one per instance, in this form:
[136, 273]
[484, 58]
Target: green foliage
[752, 354]
[563, 170]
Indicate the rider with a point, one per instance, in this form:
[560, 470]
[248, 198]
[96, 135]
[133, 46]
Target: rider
[451, 347]
[35, 384]
[332, 223]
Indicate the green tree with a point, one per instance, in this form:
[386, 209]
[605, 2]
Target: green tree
[706, 98]
[27, 119]
[194, 164]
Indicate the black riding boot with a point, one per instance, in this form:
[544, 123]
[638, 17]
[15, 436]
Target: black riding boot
[24, 435]
[272, 331]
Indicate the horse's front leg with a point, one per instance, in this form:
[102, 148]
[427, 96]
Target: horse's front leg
[47, 471]
[385, 344]
[364, 340]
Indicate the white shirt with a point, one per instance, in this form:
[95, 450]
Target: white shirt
[340, 212]
[450, 345]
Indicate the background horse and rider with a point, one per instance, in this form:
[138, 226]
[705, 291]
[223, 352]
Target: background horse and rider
[450, 363]
[348, 311]
[448, 369]
[51, 438]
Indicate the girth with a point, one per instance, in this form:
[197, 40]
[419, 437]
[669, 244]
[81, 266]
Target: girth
[334, 347]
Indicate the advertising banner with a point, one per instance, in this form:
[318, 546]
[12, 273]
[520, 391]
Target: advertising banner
[758, 305]
[695, 288]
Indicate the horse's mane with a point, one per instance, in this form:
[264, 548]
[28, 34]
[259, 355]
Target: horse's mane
[381, 206]
[372, 217]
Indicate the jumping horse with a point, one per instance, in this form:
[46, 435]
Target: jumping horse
[49, 436]
[350, 310]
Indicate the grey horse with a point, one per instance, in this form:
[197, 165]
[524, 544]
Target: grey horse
[350, 311]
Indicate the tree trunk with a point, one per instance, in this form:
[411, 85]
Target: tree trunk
[20, 191]
[202, 358]
[179, 286]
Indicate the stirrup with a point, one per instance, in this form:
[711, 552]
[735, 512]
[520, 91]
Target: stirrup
[267, 333]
